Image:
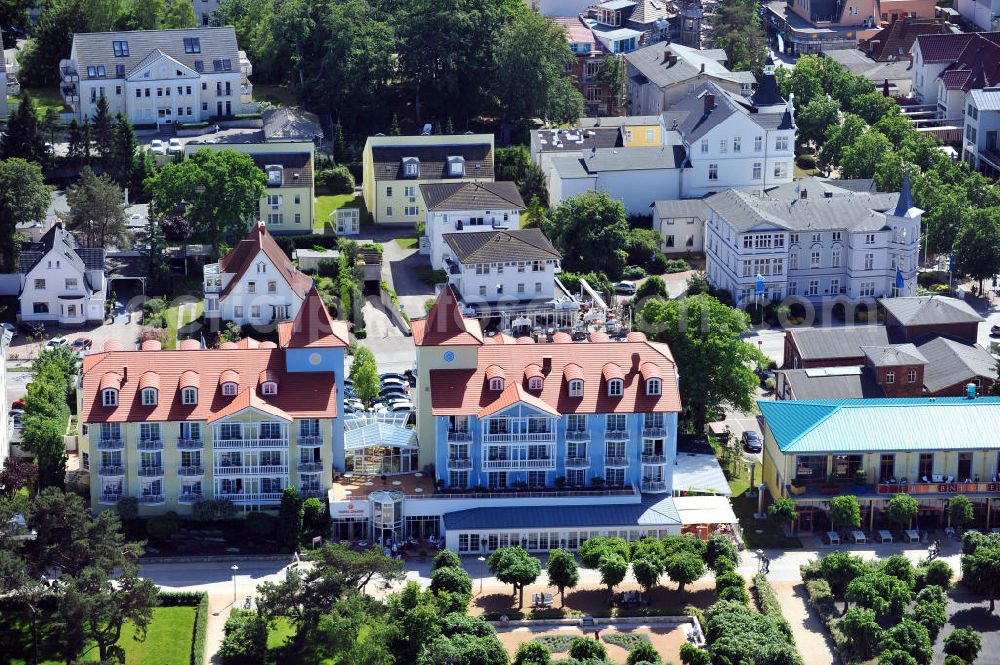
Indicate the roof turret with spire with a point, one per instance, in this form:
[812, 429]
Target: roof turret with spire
[445, 324]
[767, 97]
[904, 206]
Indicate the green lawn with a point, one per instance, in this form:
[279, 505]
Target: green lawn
[44, 98]
[800, 172]
[327, 203]
[281, 95]
[172, 315]
[168, 640]
[407, 243]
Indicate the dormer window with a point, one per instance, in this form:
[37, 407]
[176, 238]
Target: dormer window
[456, 166]
[496, 384]
[616, 387]
[535, 383]
[229, 389]
[576, 388]
[189, 396]
[109, 397]
[274, 175]
[654, 387]
[411, 167]
[149, 396]
[269, 388]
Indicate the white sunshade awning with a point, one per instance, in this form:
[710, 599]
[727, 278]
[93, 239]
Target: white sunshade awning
[379, 430]
[700, 473]
[705, 510]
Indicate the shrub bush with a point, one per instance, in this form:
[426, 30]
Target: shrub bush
[261, 525]
[161, 527]
[315, 516]
[676, 265]
[338, 180]
[657, 264]
[806, 161]
[634, 272]
[245, 642]
[821, 598]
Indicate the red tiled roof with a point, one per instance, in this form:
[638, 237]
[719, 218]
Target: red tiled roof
[533, 371]
[494, 372]
[186, 345]
[974, 58]
[313, 327]
[636, 336]
[239, 260]
[265, 376]
[510, 396]
[301, 395]
[943, 48]
[149, 380]
[113, 345]
[148, 345]
[612, 371]
[894, 41]
[650, 371]
[562, 338]
[445, 325]
[466, 391]
[599, 336]
[248, 399]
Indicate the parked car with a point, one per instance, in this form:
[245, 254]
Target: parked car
[157, 147]
[81, 344]
[625, 286]
[402, 407]
[11, 328]
[751, 442]
[392, 390]
[392, 375]
[56, 342]
[174, 146]
[348, 383]
[994, 331]
[354, 404]
[398, 383]
[17, 404]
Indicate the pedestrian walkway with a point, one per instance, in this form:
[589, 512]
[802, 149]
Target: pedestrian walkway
[811, 638]
[220, 605]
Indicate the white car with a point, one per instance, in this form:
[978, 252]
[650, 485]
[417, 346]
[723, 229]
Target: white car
[174, 147]
[56, 342]
[157, 148]
[625, 286]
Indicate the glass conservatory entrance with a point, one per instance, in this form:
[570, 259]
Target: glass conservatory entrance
[380, 444]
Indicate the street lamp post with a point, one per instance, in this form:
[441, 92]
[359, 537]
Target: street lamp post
[235, 569]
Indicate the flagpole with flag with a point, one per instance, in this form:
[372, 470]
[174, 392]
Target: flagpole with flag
[951, 265]
[900, 283]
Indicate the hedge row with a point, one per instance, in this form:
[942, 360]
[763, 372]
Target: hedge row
[198, 599]
[768, 604]
[287, 243]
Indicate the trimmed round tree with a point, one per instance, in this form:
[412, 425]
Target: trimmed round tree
[452, 580]
[446, 559]
[563, 572]
[960, 511]
[514, 566]
[684, 568]
[845, 512]
[901, 510]
[964, 643]
[782, 512]
[643, 652]
[613, 569]
[532, 653]
[647, 572]
[862, 630]
[583, 648]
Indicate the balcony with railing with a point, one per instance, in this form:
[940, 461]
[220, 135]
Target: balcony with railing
[520, 437]
[577, 435]
[577, 462]
[151, 499]
[150, 471]
[459, 436]
[150, 444]
[221, 444]
[310, 466]
[111, 444]
[311, 492]
[654, 432]
[249, 469]
[190, 444]
[310, 441]
[257, 497]
[460, 463]
[614, 460]
[190, 497]
[653, 486]
[536, 463]
[654, 459]
[616, 435]
[111, 470]
[190, 470]
[107, 498]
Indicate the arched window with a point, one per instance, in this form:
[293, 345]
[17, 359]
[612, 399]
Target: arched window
[576, 388]
[616, 387]
[654, 387]
[269, 388]
[229, 388]
[189, 396]
[496, 384]
[535, 383]
[149, 396]
[109, 397]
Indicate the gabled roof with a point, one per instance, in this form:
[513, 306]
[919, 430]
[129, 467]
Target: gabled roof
[680, 208]
[97, 48]
[650, 62]
[64, 244]
[445, 325]
[831, 383]
[973, 58]
[248, 399]
[296, 167]
[883, 425]
[512, 394]
[693, 121]
[950, 362]
[433, 159]
[893, 355]
[894, 41]
[291, 124]
[502, 195]
[498, 246]
[313, 327]
[239, 260]
[837, 343]
[930, 310]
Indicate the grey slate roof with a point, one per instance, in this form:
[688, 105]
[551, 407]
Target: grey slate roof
[893, 355]
[569, 166]
[388, 161]
[649, 62]
[632, 159]
[62, 242]
[97, 48]
[296, 167]
[689, 117]
[501, 195]
[577, 140]
[291, 124]
[498, 246]
[827, 188]
[767, 93]
[987, 99]
[681, 208]
[839, 342]
[863, 185]
[860, 64]
[950, 362]
[930, 310]
[652, 511]
[858, 212]
[831, 383]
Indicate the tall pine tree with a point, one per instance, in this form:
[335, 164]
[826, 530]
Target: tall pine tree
[120, 165]
[22, 138]
[102, 131]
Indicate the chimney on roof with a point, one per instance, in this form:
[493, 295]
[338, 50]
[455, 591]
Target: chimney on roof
[124, 375]
[703, 68]
[709, 102]
[804, 194]
[911, 61]
[666, 56]
[546, 365]
[885, 88]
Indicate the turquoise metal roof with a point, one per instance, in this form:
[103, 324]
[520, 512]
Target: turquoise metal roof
[883, 425]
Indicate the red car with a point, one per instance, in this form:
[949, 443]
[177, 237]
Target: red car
[81, 344]
[17, 404]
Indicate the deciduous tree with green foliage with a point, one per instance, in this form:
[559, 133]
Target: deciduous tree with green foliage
[901, 510]
[862, 630]
[514, 566]
[583, 648]
[684, 567]
[364, 374]
[840, 137]
[910, 637]
[532, 653]
[862, 157]
[879, 592]
[782, 512]
[964, 643]
[977, 246]
[24, 198]
[815, 117]
[643, 653]
[705, 338]
[562, 572]
[845, 512]
[840, 568]
[97, 211]
[613, 569]
[981, 568]
[591, 231]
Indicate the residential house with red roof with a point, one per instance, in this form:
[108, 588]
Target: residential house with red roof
[540, 442]
[948, 67]
[242, 422]
[255, 283]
